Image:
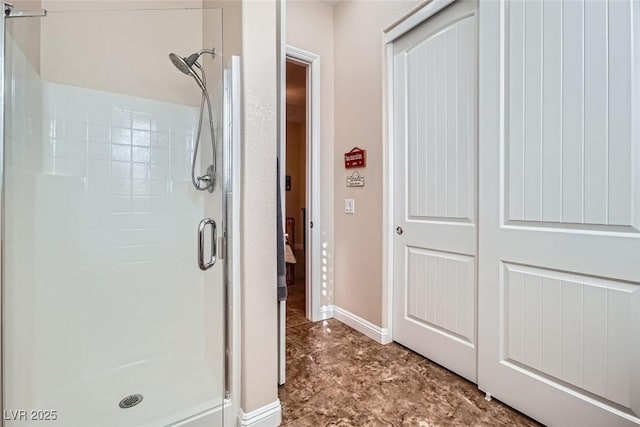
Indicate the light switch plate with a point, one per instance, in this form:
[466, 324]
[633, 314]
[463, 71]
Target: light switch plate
[349, 206]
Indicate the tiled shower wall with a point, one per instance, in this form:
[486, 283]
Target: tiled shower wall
[101, 220]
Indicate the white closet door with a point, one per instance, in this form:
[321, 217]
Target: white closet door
[435, 73]
[559, 273]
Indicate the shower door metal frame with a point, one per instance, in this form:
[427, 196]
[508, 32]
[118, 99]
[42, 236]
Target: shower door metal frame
[3, 29]
[232, 180]
[8, 12]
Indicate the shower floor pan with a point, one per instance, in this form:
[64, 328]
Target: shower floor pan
[175, 392]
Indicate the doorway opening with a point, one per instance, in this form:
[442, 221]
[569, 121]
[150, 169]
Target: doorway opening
[296, 173]
[299, 157]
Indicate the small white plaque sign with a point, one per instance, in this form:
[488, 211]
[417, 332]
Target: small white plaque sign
[355, 180]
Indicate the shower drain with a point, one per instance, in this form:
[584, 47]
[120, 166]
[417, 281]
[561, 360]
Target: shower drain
[130, 401]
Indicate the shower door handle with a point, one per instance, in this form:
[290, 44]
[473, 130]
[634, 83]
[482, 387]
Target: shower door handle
[201, 239]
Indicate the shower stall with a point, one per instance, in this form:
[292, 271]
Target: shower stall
[115, 268]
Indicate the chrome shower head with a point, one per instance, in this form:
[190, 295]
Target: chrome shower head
[185, 65]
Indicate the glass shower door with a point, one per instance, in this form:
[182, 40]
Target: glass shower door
[108, 320]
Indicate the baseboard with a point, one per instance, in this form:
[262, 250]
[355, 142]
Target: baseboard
[268, 416]
[376, 333]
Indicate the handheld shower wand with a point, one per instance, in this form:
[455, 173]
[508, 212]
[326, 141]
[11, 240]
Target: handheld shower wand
[185, 65]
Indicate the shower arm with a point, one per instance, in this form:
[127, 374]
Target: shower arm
[211, 52]
[11, 12]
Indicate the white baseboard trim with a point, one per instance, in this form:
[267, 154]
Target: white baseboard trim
[376, 333]
[268, 416]
[326, 312]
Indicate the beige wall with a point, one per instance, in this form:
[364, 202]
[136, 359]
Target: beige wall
[259, 296]
[359, 65]
[133, 60]
[78, 5]
[26, 32]
[349, 39]
[296, 159]
[310, 27]
[232, 26]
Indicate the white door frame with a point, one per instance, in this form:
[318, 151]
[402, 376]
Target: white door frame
[313, 184]
[393, 33]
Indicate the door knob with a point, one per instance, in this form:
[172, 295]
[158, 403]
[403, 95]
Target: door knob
[399, 230]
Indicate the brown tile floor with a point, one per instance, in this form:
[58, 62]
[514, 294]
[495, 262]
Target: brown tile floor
[338, 377]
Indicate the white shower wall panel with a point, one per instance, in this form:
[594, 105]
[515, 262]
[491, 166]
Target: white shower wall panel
[127, 225]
